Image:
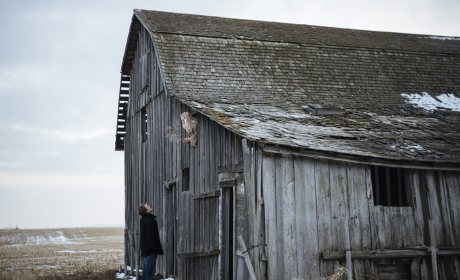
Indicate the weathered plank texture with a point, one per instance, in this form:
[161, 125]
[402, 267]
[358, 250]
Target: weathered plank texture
[324, 215]
[305, 214]
[288, 209]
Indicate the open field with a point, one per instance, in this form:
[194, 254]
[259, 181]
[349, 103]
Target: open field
[68, 253]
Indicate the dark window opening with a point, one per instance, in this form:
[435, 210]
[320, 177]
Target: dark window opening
[144, 124]
[388, 186]
[185, 179]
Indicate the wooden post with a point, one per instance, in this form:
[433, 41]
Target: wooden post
[246, 258]
[349, 263]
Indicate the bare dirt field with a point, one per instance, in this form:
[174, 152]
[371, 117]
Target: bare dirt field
[68, 253]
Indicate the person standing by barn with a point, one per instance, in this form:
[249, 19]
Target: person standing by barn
[150, 241]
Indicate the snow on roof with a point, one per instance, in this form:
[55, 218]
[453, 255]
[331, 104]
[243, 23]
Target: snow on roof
[427, 102]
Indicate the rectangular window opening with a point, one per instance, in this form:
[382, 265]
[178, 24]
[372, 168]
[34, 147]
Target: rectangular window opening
[388, 186]
[144, 124]
[185, 179]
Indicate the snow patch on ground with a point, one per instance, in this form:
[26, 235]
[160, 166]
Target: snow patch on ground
[429, 103]
[74, 252]
[127, 277]
[444, 38]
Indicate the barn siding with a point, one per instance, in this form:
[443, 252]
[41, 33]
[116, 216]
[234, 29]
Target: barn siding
[334, 211]
[289, 209]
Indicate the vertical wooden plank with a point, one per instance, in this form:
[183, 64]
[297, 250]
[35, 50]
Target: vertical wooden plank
[289, 219]
[280, 230]
[373, 214]
[339, 206]
[241, 211]
[415, 269]
[360, 229]
[269, 180]
[379, 217]
[444, 206]
[418, 209]
[435, 213]
[324, 215]
[261, 215]
[360, 198]
[251, 198]
[396, 236]
[453, 197]
[408, 231]
[305, 215]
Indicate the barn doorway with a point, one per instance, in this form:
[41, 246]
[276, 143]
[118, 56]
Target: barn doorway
[171, 230]
[228, 236]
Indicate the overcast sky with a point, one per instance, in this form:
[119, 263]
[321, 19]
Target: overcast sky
[59, 80]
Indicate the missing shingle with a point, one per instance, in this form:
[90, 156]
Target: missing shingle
[317, 109]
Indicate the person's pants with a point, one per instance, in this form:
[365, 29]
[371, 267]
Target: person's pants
[148, 271]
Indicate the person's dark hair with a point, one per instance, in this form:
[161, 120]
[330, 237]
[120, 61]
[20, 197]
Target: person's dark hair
[142, 210]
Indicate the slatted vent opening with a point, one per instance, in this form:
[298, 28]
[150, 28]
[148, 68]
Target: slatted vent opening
[122, 112]
[389, 187]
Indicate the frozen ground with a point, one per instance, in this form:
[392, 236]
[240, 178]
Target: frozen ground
[25, 254]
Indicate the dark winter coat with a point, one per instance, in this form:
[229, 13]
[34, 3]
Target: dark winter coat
[150, 238]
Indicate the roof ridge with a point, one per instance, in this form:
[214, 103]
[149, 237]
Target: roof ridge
[317, 45]
[302, 24]
[218, 27]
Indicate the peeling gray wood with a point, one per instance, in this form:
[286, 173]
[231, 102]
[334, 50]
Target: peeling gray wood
[288, 211]
[305, 214]
[324, 215]
[269, 179]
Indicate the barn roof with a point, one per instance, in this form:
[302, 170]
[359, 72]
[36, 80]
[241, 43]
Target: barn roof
[375, 94]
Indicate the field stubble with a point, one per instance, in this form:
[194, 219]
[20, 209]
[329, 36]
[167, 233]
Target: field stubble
[71, 253]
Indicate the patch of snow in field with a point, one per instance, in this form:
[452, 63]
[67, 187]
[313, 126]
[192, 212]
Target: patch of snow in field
[443, 38]
[61, 236]
[47, 267]
[426, 102]
[75, 252]
[122, 276]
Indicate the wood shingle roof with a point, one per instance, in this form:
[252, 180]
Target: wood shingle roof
[328, 89]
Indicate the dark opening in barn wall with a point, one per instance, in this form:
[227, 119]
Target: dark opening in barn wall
[389, 186]
[227, 233]
[185, 179]
[144, 124]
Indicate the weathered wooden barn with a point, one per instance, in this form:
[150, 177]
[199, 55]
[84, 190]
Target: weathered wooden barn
[316, 145]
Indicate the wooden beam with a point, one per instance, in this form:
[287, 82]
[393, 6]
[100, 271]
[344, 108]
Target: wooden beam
[206, 194]
[382, 254]
[227, 183]
[451, 166]
[196, 254]
[376, 254]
